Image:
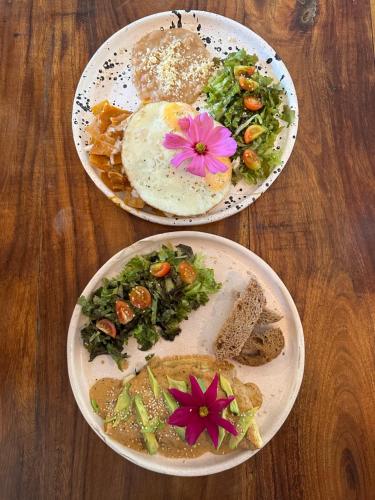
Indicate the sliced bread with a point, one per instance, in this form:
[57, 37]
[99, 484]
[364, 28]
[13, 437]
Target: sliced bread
[268, 316]
[261, 347]
[241, 321]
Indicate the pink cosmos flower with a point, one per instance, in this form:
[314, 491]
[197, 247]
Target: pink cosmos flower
[201, 410]
[202, 145]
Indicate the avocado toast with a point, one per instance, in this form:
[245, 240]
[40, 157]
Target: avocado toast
[136, 411]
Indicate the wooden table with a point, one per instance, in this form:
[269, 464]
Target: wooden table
[315, 227]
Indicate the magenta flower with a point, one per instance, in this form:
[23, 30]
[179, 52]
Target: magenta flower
[201, 410]
[202, 145]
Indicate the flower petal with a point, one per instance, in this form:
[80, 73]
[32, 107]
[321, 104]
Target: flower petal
[175, 141]
[184, 155]
[197, 166]
[220, 404]
[211, 393]
[226, 147]
[196, 392]
[206, 124]
[180, 417]
[213, 431]
[214, 165]
[194, 428]
[184, 398]
[193, 132]
[222, 422]
[218, 134]
[184, 123]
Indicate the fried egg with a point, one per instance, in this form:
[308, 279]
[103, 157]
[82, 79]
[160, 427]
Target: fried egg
[147, 164]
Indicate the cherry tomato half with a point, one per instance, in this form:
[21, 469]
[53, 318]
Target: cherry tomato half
[243, 70]
[187, 272]
[247, 83]
[160, 269]
[107, 327]
[252, 103]
[124, 312]
[251, 159]
[140, 297]
[253, 132]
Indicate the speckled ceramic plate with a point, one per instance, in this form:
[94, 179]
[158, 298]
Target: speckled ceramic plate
[109, 76]
[279, 380]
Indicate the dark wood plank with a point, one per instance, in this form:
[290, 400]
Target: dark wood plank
[315, 227]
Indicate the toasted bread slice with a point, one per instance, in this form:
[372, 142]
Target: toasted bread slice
[241, 321]
[269, 316]
[261, 347]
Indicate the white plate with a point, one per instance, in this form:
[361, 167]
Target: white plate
[279, 380]
[108, 75]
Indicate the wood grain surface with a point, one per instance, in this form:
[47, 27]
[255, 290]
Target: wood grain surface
[315, 226]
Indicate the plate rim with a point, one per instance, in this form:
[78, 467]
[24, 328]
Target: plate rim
[141, 459]
[203, 218]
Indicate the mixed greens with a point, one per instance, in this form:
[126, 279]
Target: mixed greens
[250, 105]
[147, 300]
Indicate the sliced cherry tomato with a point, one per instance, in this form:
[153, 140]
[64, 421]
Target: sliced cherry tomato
[160, 269]
[140, 297]
[251, 159]
[252, 103]
[107, 327]
[187, 272]
[247, 83]
[243, 70]
[124, 312]
[253, 132]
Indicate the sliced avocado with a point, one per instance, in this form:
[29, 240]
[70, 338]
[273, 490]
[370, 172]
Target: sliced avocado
[94, 405]
[202, 385]
[144, 421]
[171, 404]
[122, 408]
[124, 400]
[242, 427]
[227, 388]
[221, 429]
[154, 383]
[177, 384]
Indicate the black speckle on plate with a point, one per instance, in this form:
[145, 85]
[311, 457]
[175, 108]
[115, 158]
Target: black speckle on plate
[277, 57]
[269, 60]
[179, 17]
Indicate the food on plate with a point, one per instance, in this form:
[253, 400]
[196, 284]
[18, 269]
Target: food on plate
[180, 406]
[240, 323]
[147, 300]
[105, 135]
[250, 105]
[268, 316]
[167, 157]
[262, 346]
[177, 159]
[246, 335]
[171, 65]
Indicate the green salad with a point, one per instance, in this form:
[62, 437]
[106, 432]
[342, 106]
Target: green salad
[250, 105]
[147, 300]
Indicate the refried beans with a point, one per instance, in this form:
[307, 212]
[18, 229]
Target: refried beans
[171, 65]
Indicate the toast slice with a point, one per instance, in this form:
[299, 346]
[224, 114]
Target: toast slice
[241, 321]
[261, 347]
[269, 316]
